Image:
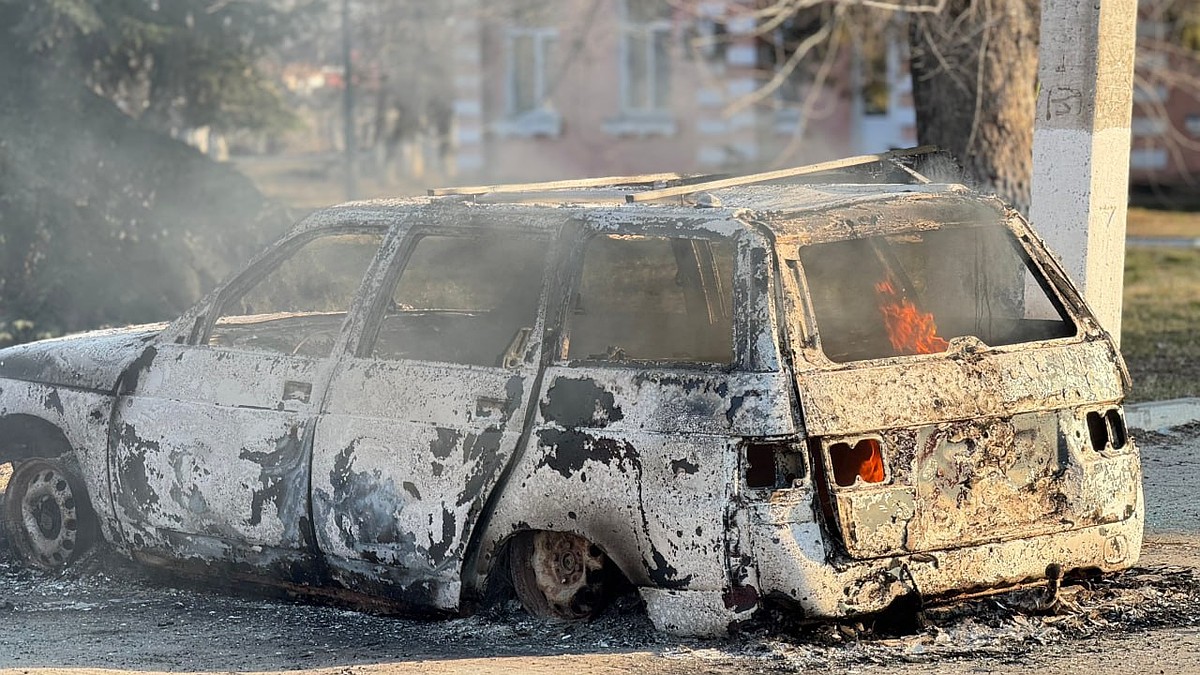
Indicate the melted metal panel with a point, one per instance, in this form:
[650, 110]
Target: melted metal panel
[638, 462]
[650, 400]
[89, 361]
[82, 417]
[238, 475]
[211, 444]
[962, 484]
[909, 391]
[403, 463]
[788, 568]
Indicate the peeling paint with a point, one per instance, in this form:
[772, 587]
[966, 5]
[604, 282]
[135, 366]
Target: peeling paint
[128, 381]
[53, 402]
[278, 466]
[570, 451]
[580, 403]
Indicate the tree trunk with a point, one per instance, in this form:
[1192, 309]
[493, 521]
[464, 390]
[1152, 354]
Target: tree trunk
[974, 70]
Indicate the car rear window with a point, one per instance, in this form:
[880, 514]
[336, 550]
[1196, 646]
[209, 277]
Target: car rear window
[912, 293]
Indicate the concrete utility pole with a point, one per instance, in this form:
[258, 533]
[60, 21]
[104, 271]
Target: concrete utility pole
[1081, 143]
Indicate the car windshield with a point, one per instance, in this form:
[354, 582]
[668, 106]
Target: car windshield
[913, 293]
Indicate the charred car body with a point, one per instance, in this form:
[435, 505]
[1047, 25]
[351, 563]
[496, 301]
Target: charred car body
[831, 396]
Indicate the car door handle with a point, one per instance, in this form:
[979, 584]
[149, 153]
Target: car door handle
[486, 406]
[299, 392]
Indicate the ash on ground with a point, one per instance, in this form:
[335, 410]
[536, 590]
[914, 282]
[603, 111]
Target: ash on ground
[104, 595]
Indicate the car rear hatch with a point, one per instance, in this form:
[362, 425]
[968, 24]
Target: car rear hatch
[950, 396]
[897, 475]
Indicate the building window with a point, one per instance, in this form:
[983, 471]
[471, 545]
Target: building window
[1148, 158]
[531, 53]
[645, 70]
[646, 58]
[876, 86]
[532, 69]
[1148, 126]
[802, 29]
[1192, 124]
[1149, 94]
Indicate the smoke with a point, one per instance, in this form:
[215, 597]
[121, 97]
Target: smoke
[105, 222]
[941, 167]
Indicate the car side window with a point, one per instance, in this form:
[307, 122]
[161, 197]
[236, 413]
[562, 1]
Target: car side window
[653, 299]
[298, 307]
[470, 300]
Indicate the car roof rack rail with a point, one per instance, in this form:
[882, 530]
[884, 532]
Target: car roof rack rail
[893, 157]
[608, 181]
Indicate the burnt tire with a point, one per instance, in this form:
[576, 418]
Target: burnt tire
[48, 520]
[558, 575]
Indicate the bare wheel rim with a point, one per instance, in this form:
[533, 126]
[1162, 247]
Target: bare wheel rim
[45, 514]
[557, 575]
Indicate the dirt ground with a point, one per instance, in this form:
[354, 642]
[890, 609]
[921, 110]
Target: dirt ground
[108, 616]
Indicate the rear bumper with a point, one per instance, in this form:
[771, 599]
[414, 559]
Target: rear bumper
[791, 565]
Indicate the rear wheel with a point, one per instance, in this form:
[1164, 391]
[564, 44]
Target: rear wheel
[47, 518]
[558, 575]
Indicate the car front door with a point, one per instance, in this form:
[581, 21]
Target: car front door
[418, 427]
[209, 439]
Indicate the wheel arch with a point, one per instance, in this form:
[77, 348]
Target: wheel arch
[24, 436]
[495, 574]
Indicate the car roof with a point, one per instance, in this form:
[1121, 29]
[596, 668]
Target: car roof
[719, 205]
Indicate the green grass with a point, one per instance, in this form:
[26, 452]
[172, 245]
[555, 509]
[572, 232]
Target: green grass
[1161, 322]
[1155, 223]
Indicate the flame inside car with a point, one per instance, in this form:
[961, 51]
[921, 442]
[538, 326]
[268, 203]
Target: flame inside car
[910, 330]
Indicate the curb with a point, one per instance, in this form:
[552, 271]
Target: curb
[1162, 415]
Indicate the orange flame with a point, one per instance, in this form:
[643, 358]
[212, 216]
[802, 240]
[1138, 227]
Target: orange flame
[909, 330]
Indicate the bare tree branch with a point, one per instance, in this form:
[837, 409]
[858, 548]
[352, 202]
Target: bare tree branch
[785, 71]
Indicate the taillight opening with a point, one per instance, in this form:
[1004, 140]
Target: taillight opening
[773, 464]
[760, 466]
[862, 461]
[1097, 431]
[1107, 430]
[1116, 429]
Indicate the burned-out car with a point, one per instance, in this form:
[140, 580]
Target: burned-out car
[828, 396]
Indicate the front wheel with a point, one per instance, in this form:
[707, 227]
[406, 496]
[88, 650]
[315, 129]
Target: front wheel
[47, 517]
[557, 575]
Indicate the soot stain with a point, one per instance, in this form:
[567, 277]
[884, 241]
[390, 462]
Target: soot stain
[444, 444]
[53, 402]
[681, 465]
[360, 512]
[580, 403]
[128, 380]
[571, 449]
[280, 479]
[735, 404]
[665, 575]
[136, 492]
[483, 453]
[439, 549]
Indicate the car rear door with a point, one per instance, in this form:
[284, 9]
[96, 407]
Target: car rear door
[640, 413]
[418, 426]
